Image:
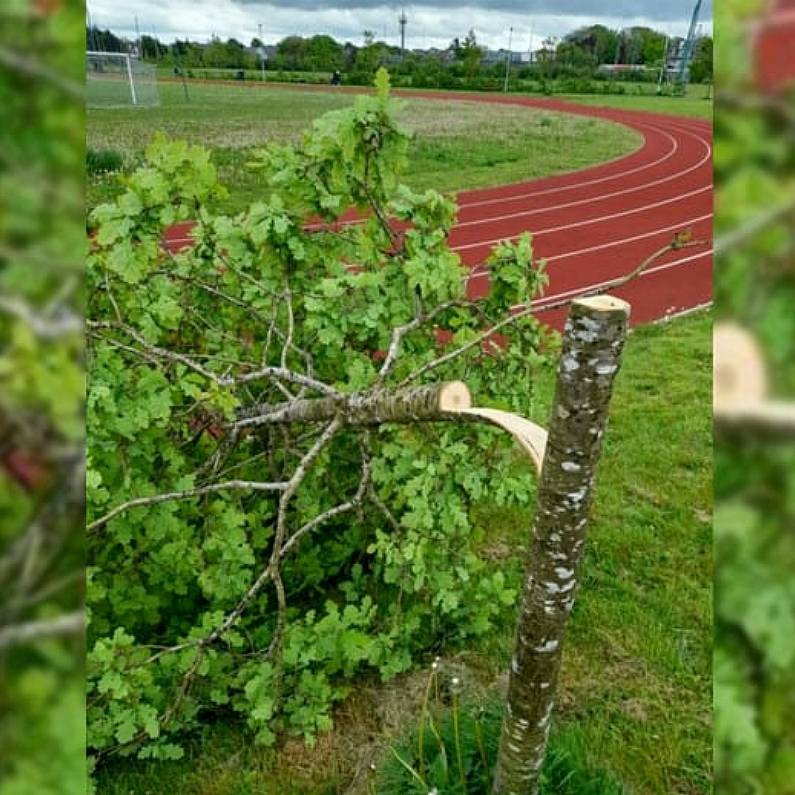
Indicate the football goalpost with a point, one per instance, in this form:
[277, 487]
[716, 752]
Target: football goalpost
[117, 79]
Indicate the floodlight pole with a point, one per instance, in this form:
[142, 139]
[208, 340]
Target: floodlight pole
[663, 65]
[508, 60]
[261, 52]
[530, 47]
[130, 78]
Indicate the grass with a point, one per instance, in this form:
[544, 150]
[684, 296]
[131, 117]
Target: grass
[694, 104]
[637, 667]
[636, 96]
[453, 751]
[458, 144]
[635, 697]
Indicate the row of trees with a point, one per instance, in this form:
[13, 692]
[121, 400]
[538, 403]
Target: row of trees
[581, 52]
[596, 45]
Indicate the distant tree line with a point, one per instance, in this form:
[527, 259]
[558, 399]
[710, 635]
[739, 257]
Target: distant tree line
[581, 55]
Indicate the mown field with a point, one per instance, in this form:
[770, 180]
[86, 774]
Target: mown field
[696, 101]
[458, 144]
[635, 698]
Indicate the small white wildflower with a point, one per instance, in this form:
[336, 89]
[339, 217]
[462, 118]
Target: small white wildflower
[434, 665]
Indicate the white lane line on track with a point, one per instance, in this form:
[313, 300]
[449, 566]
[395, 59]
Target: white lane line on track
[537, 232]
[630, 239]
[633, 125]
[481, 274]
[705, 158]
[669, 316]
[559, 188]
[592, 199]
[500, 199]
[597, 285]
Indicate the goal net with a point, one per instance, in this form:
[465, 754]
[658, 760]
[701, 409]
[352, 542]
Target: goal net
[116, 79]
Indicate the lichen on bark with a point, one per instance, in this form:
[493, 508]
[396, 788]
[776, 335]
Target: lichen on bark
[592, 343]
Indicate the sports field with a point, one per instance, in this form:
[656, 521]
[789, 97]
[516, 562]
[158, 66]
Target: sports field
[593, 224]
[458, 144]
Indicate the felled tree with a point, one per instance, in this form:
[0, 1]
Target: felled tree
[281, 464]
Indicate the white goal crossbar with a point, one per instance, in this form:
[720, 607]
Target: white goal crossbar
[128, 64]
[106, 74]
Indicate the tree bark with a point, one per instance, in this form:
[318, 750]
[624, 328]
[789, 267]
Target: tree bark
[592, 344]
[423, 403]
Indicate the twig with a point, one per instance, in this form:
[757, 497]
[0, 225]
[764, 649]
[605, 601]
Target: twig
[44, 327]
[481, 338]
[344, 507]
[281, 524]
[379, 503]
[399, 332]
[223, 381]
[246, 485]
[155, 350]
[620, 281]
[532, 309]
[271, 571]
[69, 624]
[21, 63]
[753, 226]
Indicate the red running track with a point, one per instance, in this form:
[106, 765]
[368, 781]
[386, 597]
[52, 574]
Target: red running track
[599, 223]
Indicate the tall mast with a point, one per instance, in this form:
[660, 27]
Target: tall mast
[687, 52]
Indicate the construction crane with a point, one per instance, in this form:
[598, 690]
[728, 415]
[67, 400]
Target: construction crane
[690, 42]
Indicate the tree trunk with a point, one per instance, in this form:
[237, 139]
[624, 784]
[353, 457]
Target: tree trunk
[422, 403]
[592, 343]
[448, 401]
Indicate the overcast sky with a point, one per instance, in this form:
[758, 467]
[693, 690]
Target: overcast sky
[432, 23]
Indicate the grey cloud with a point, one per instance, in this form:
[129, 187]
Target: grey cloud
[432, 23]
[668, 10]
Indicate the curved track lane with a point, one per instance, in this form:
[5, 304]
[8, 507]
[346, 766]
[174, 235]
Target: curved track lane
[599, 223]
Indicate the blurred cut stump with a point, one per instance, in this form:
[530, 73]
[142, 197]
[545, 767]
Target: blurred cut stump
[740, 387]
[593, 340]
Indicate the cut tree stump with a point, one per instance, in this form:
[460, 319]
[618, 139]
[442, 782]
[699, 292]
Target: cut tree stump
[592, 343]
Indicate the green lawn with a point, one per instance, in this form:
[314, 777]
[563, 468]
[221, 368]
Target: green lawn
[694, 104]
[636, 694]
[458, 144]
[637, 673]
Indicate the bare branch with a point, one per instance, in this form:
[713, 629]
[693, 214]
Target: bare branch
[223, 381]
[55, 326]
[479, 340]
[526, 310]
[17, 634]
[344, 507]
[271, 571]
[283, 374]
[620, 281]
[31, 68]
[399, 332]
[162, 353]
[246, 485]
